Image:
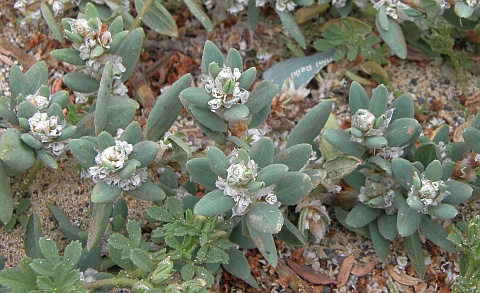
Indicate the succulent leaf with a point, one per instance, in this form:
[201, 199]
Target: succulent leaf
[261, 96]
[415, 253]
[211, 53]
[238, 266]
[361, 215]
[214, 203]
[98, 223]
[293, 187]
[381, 245]
[408, 220]
[218, 161]
[103, 193]
[265, 218]
[264, 243]
[166, 109]
[129, 50]
[387, 226]
[262, 152]
[147, 191]
[294, 157]
[309, 127]
[16, 156]
[340, 140]
[80, 82]
[6, 197]
[68, 55]
[379, 101]
[400, 131]
[436, 233]
[145, 152]
[234, 60]
[200, 171]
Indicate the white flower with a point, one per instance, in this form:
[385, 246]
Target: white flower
[39, 101]
[271, 198]
[237, 6]
[363, 120]
[114, 157]
[56, 148]
[260, 3]
[225, 89]
[80, 27]
[378, 192]
[45, 128]
[110, 161]
[472, 3]
[215, 104]
[339, 3]
[57, 7]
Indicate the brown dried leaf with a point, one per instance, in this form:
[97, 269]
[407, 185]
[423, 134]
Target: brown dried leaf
[457, 134]
[310, 274]
[403, 278]
[294, 281]
[13, 50]
[345, 270]
[360, 270]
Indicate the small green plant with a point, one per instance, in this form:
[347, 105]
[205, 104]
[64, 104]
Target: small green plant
[466, 238]
[401, 188]
[94, 45]
[38, 132]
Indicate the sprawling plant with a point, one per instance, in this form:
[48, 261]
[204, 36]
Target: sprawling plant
[37, 132]
[401, 188]
[95, 44]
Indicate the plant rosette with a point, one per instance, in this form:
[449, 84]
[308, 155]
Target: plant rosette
[94, 44]
[253, 185]
[118, 164]
[223, 106]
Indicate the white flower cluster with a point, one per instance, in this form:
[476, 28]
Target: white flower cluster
[280, 5]
[472, 3]
[46, 129]
[39, 101]
[237, 6]
[378, 192]
[239, 174]
[96, 40]
[110, 161]
[431, 193]
[339, 3]
[225, 89]
[395, 9]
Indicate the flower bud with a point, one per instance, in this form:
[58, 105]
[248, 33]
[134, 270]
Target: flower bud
[163, 272]
[363, 120]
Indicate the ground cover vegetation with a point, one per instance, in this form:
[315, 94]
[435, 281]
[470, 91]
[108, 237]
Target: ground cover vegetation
[245, 189]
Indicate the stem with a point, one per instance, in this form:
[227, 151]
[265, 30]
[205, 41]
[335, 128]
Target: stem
[31, 175]
[471, 266]
[109, 282]
[140, 15]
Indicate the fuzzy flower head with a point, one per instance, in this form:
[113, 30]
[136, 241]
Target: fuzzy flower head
[425, 193]
[225, 89]
[237, 6]
[394, 9]
[39, 101]
[110, 161]
[365, 124]
[378, 192]
[114, 157]
[241, 185]
[313, 217]
[282, 5]
[45, 128]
